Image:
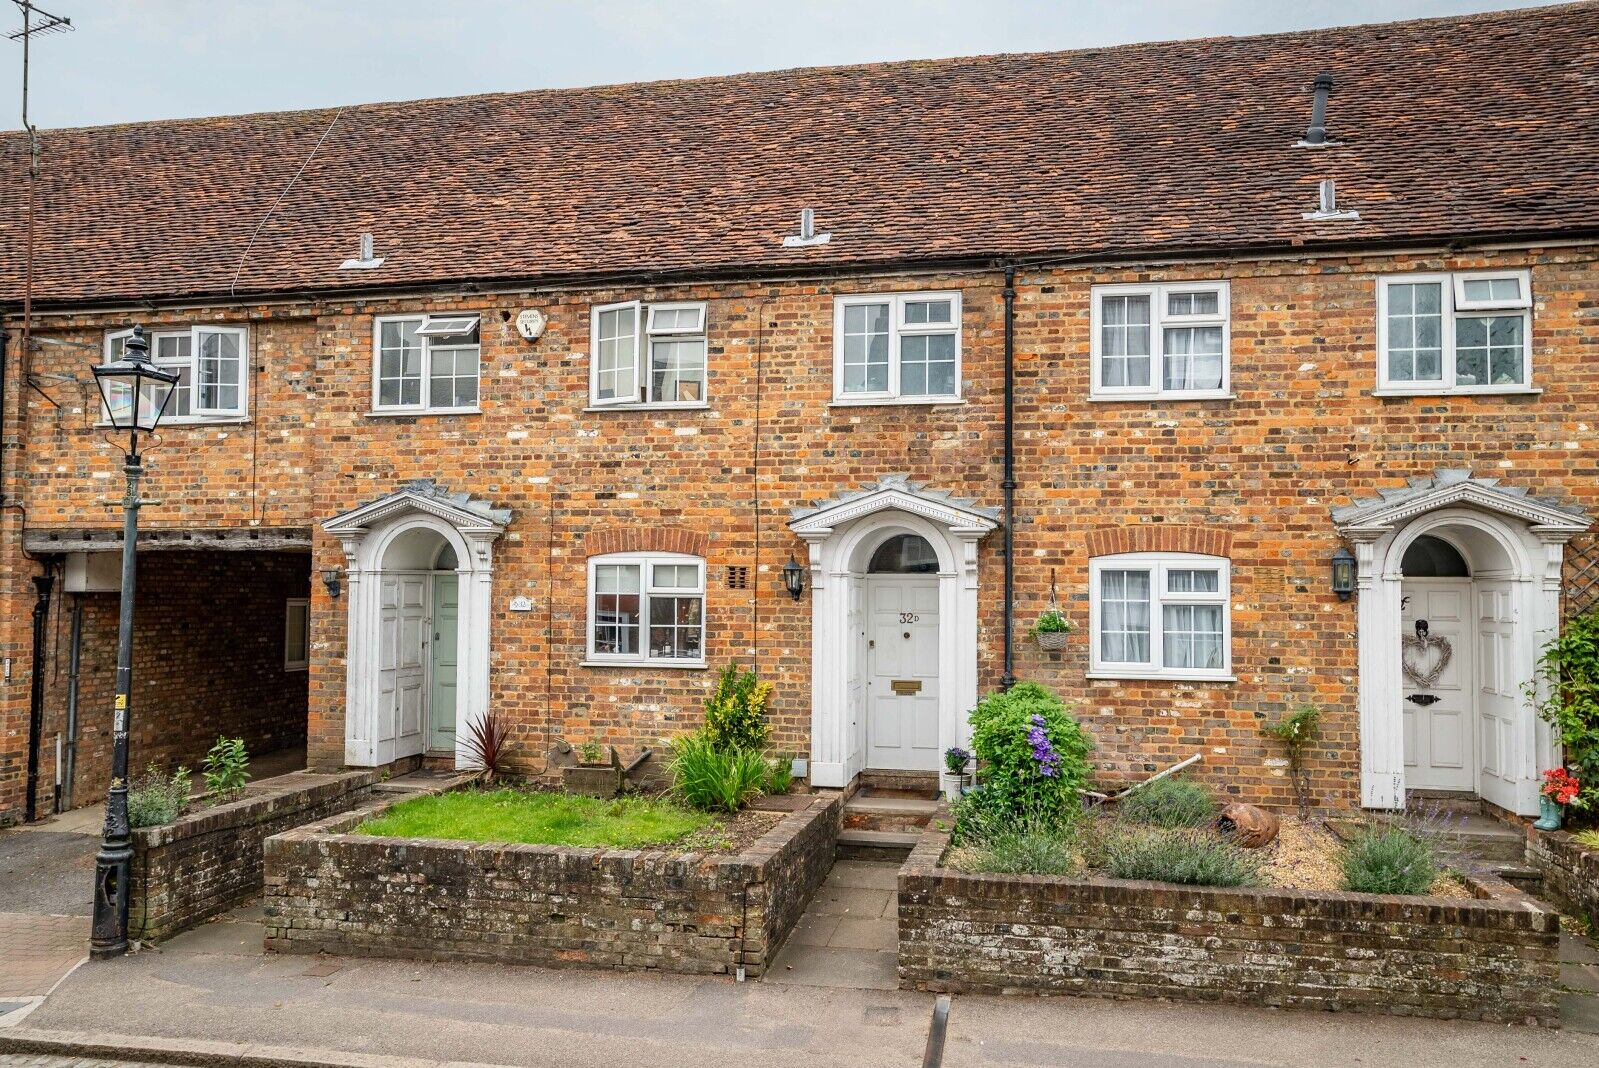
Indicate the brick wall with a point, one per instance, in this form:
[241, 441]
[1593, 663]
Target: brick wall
[1259, 471]
[210, 861]
[1495, 958]
[1570, 871]
[331, 891]
[208, 661]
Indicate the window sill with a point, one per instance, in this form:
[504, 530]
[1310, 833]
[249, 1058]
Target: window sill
[1145, 676]
[412, 413]
[1146, 398]
[175, 424]
[889, 402]
[671, 665]
[696, 407]
[1468, 391]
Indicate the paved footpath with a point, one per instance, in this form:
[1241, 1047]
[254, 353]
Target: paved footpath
[214, 986]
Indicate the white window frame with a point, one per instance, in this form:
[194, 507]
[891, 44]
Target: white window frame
[1159, 319]
[1455, 307]
[1158, 565]
[304, 603]
[437, 321]
[897, 329]
[646, 562]
[115, 340]
[643, 365]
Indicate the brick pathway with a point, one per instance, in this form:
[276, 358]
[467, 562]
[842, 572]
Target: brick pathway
[38, 950]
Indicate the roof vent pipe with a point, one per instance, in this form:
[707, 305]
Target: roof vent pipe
[1327, 209]
[1316, 135]
[367, 260]
[807, 232]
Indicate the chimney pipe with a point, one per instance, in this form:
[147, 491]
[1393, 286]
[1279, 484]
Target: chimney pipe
[1317, 134]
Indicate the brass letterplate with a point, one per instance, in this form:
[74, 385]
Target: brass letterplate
[906, 687]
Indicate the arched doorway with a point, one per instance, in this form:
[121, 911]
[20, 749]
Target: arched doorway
[900, 669]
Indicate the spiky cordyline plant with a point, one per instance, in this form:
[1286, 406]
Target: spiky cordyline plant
[488, 744]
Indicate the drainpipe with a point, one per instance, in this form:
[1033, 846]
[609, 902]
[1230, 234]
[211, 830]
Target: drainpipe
[70, 764]
[5, 338]
[1009, 484]
[41, 615]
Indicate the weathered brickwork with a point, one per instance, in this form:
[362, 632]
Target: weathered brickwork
[1570, 871]
[1257, 473]
[210, 861]
[328, 890]
[1494, 958]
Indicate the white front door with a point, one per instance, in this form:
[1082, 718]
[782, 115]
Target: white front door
[402, 666]
[1439, 695]
[902, 673]
[1499, 697]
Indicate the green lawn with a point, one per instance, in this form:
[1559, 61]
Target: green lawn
[537, 819]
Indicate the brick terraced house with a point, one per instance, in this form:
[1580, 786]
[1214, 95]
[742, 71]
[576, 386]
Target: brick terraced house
[1149, 332]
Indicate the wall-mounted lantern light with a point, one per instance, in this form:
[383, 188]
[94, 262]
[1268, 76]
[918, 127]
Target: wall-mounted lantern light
[330, 579]
[793, 577]
[1343, 573]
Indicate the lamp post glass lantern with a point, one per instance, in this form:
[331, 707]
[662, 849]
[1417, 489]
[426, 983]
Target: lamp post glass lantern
[136, 394]
[793, 578]
[1343, 573]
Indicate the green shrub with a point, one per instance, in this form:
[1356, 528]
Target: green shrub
[226, 769]
[1297, 731]
[1170, 802]
[1032, 755]
[154, 799]
[1187, 856]
[1588, 839]
[1052, 621]
[779, 775]
[1566, 693]
[1020, 847]
[1391, 860]
[735, 713]
[710, 777]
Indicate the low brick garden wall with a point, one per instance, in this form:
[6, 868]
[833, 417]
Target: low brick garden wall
[329, 890]
[1570, 871]
[1493, 958]
[209, 861]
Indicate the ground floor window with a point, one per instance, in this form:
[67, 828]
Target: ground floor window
[1160, 615]
[296, 634]
[647, 608]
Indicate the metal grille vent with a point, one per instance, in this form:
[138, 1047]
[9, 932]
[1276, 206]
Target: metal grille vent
[738, 577]
[1582, 575]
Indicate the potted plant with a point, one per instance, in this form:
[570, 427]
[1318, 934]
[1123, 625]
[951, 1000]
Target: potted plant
[1051, 629]
[956, 762]
[1560, 788]
[598, 772]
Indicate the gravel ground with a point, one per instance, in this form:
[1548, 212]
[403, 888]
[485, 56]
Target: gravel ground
[1305, 857]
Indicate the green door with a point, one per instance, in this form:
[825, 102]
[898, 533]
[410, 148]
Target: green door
[446, 629]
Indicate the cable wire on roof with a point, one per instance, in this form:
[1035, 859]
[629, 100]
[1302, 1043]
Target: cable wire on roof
[245, 256]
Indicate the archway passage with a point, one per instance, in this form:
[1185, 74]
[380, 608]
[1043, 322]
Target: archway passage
[420, 581]
[893, 626]
[1459, 585]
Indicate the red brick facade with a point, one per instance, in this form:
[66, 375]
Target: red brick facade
[1252, 477]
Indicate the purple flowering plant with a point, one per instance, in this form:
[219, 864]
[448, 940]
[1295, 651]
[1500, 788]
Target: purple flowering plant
[956, 760]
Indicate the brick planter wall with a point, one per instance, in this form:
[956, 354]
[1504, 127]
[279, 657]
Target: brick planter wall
[1494, 958]
[210, 861]
[328, 890]
[1570, 871]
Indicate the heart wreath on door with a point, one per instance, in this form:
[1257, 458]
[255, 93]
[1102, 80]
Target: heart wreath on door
[1424, 658]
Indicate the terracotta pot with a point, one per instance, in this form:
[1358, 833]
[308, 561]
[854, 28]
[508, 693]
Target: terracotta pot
[1249, 826]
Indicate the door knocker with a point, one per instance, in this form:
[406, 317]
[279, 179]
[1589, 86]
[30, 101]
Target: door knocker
[1423, 657]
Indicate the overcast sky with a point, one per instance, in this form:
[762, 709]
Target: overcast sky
[129, 60]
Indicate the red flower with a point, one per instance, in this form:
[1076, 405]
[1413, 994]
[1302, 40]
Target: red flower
[1560, 786]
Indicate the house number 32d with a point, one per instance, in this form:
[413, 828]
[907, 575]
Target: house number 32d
[909, 617]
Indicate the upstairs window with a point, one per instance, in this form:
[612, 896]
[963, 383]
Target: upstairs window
[1154, 341]
[210, 361]
[1160, 616]
[901, 347]
[427, 363]
[1454, 333]
[647, 608]
[647, 355]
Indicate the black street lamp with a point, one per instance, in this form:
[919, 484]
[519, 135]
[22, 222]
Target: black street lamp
[135, 393]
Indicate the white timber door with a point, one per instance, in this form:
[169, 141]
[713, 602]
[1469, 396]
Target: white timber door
[402, 666]
[1439, 693]
[902, 684]
[1498, 692]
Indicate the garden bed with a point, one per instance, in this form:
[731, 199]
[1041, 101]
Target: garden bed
[330, 888]
[1493, 956]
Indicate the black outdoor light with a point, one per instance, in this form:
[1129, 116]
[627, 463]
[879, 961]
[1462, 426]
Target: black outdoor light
[330, 579]
[793, 577]
[1343, 573]
[136, 393]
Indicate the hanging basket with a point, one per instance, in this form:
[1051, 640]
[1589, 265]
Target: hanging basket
[1052, 641]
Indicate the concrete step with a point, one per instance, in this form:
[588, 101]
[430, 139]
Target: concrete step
[1483, 838]
[873, 812]
[892, 846]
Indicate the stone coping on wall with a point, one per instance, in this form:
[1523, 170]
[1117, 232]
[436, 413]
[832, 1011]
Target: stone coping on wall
[260, 802]
[329, 889]
[1490, 957]
[1570, 869]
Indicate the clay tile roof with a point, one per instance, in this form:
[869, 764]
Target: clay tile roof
[1486, 124]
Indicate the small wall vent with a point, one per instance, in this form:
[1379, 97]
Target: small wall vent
[738, 577]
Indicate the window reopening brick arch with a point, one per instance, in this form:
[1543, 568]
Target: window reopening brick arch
[1160, 538]
[646, 539]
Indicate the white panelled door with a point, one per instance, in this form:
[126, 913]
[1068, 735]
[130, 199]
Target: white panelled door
[402, 666]
[902, 673]
[1498, 692]
[1439, 694]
